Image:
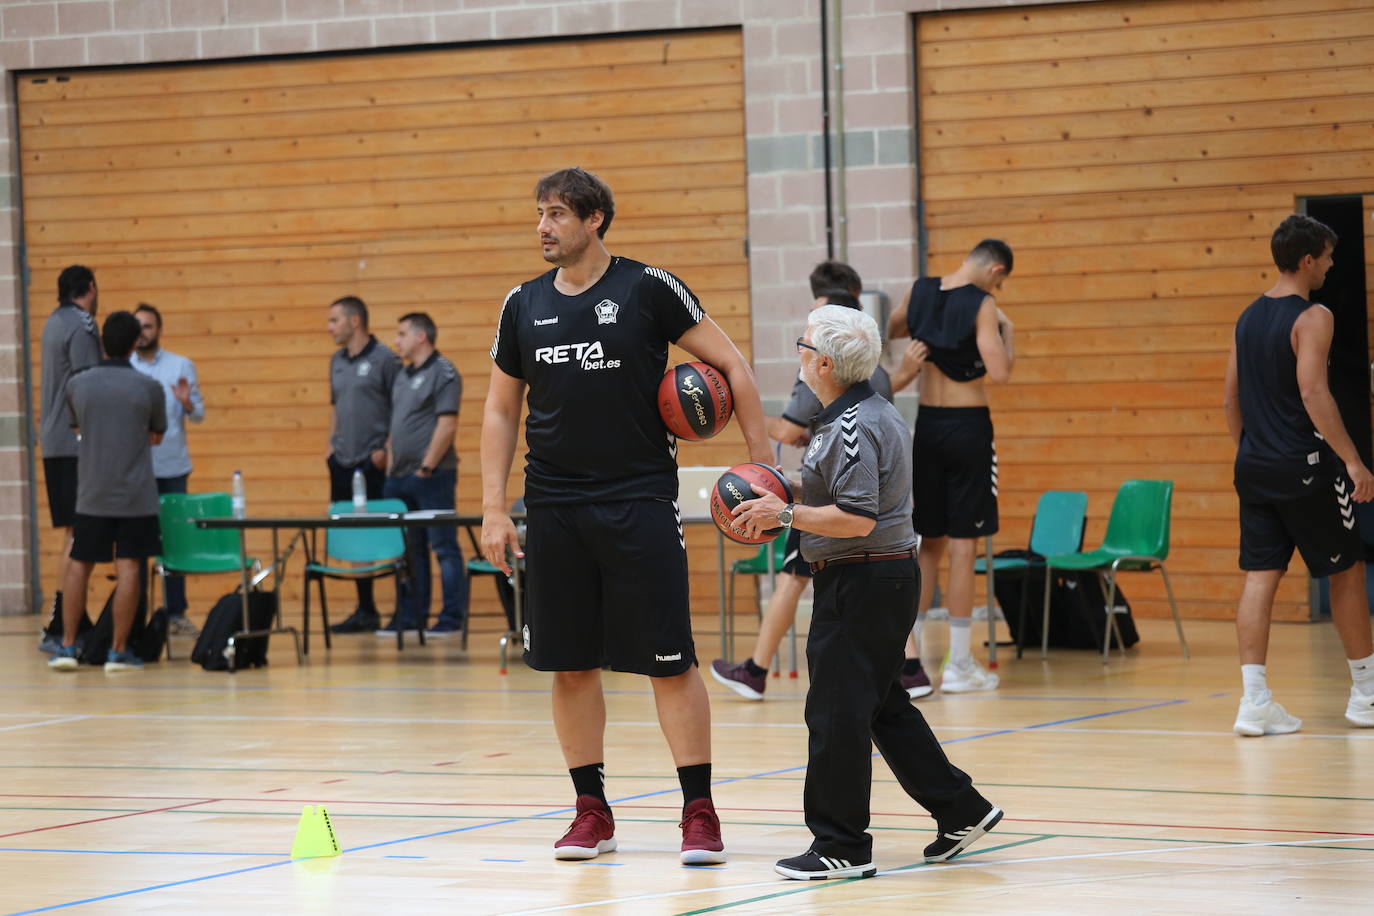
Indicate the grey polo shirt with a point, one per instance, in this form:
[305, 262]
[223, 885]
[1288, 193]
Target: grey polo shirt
[803, 406]
[360, 390]
[70, 343]
[860, 460]
[116, 407]
[420, 395]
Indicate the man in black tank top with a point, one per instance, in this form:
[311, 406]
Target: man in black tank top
[607, 570]
[1297, 474]
[954, 458]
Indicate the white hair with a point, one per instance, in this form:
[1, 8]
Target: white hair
[850, 338]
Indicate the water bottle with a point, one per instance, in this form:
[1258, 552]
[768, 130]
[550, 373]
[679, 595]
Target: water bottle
[236, 497]
[359, 491]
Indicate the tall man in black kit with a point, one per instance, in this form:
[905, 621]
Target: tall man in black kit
[607, 564]
[1297, 474]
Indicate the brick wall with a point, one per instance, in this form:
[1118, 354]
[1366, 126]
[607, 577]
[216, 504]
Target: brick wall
[782, 85]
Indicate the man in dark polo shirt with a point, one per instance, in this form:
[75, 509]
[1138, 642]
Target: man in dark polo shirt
[856, 531]
[361, 373]
[121, 414]
[70, 344]
[423, 471]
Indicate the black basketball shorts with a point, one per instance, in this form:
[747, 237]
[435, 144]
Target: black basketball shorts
[1321, 525]
[59, 476]
[792, 559]
[954, 473]
[98, 539]
[607, 586]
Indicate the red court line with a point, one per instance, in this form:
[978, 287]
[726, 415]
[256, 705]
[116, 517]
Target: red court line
[113, 817]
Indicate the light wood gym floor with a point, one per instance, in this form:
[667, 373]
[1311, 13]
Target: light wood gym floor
[178, 791]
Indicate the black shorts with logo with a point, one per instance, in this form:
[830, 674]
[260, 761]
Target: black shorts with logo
[1321, 524]
[954, 473]
[607, 586]
[98, 539]
[792, 558]
[59, 475]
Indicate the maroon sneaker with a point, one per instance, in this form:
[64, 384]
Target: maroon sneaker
[701, 844]
[592, 831]
[738, 679]
[916, 685]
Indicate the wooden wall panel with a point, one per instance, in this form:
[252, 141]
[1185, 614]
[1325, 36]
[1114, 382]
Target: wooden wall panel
[1137, 157]
[243, 198]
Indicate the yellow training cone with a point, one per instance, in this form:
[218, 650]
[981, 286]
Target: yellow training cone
[314, 835]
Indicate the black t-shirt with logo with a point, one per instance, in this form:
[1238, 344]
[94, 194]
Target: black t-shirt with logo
[593, 363]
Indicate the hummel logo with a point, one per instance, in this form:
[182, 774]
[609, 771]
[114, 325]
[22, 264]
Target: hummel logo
[540, 322]
[1335, 559]
[1306, 481]
[676, 657]
[979, 524]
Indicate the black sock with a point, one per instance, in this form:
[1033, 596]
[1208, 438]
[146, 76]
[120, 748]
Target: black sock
[590, 780]
[54, 626]
[911, 666]
[696, 782]
[753, 669]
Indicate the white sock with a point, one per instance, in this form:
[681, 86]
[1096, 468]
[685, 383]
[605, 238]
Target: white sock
[960, 628]
[916, 627]
[1362, 673]
[1256, 689]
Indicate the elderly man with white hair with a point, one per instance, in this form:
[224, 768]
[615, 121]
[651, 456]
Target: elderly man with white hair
[856, 531]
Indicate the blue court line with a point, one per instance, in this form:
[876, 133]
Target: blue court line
[506, 821]
[501, 860]
[405, 857]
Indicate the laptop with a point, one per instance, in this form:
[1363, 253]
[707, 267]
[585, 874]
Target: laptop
[694, 485]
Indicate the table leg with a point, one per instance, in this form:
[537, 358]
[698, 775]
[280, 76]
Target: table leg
[727, 648]
[992, 606]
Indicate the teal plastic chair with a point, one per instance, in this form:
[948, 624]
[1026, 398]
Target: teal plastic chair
[372, 553]
[477, 566]
[1057, 529]
[757, 565]
[188, 550]
[1137, 540]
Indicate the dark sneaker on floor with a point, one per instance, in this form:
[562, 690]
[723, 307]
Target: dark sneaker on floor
[592, 831]
[916, 685]
[65, 658]
[444, 629]
[701, 843]
[955, 839]
[738, 679]
[49, 643]
[122, 661]
[358, 622]
[180, 625]
[812, 866]
[409, 628]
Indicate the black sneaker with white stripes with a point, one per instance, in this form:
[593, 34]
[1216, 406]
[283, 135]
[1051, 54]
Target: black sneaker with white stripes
[812, 866]
[953, 840]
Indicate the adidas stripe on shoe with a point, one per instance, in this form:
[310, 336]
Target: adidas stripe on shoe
[812, 866]
[950, 842]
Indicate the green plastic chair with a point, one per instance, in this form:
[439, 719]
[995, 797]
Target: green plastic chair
[188, 550]
[1057, 529]
[1137, 540]
[373, 553]
[757, 565]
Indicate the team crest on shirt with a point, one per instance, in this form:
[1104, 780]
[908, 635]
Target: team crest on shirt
[606, 311]
[416, 382]
[364, 369]
[814, 447]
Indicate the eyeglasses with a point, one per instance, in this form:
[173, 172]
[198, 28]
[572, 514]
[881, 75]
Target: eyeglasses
[803, 345]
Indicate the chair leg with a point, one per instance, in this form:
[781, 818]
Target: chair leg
[1109, 626]
[305, 621]
[324, 612]
[1045, 623]
[1021, 625]
[727, 633]
[1173, 606]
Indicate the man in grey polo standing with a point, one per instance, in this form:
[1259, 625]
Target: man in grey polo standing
[70, 343]
[120, 413]
[857, 534]
[423, 471]
[171, 459]
[361, 373]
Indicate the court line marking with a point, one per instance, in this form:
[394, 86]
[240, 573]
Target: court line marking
[494, 823]
[139, 852]
[10, 728]
[112, 817]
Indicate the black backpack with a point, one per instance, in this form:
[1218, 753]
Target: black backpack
[226, 619]
[1077, 606]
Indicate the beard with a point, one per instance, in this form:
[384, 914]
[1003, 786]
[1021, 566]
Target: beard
[148, 347]
[567, 251]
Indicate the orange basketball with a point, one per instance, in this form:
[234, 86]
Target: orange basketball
[736, 486]
[694, 401]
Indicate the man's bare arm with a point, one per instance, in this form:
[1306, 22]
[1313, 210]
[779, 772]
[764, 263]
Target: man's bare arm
[1230, 399]
[1312, 343]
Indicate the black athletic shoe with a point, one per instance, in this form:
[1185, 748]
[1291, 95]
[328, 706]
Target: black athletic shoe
[953, 840]
[360, 622]
[812, 866]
